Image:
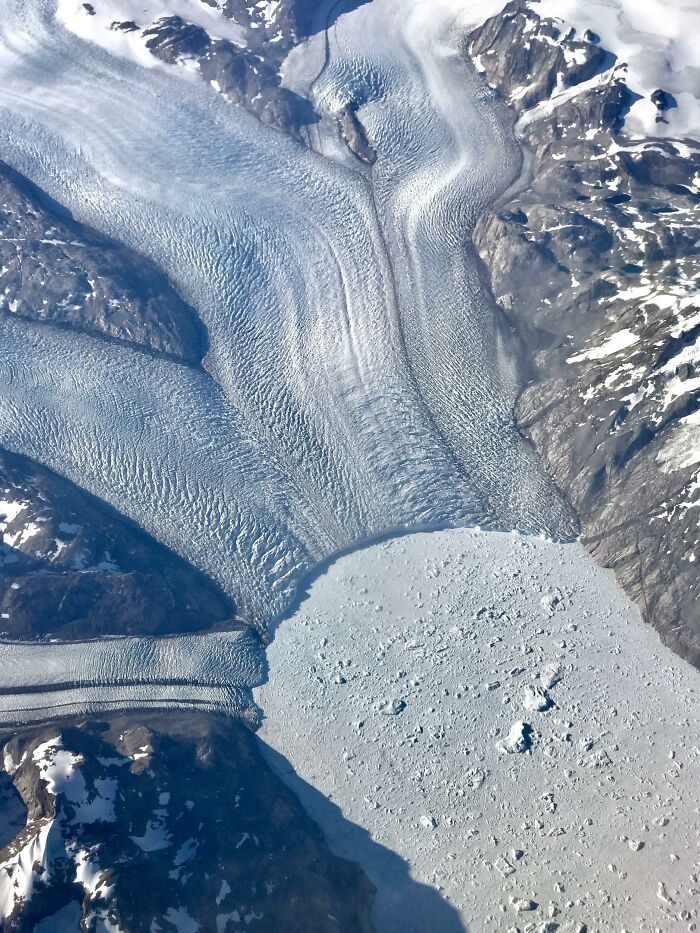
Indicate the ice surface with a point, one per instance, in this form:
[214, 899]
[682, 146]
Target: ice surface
[91, 699]
[357, 380]
[582, 808]
[212, 670]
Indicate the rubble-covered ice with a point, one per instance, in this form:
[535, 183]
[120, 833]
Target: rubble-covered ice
[578, 814]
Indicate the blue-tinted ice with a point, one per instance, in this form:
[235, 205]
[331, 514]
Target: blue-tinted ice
[356, 381]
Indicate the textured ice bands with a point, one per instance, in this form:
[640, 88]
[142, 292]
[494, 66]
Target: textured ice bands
[332, 406]
[214, 671]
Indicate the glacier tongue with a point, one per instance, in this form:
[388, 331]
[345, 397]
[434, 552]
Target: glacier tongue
[358, 377]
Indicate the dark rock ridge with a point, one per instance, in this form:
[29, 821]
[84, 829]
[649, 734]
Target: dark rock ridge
[56, 271]
[249, 74]
[353, 133]
[73, 568]
[146, 822]
[247, 71]
[594, 255]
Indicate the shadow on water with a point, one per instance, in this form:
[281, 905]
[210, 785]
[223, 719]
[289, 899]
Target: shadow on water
[402, 904]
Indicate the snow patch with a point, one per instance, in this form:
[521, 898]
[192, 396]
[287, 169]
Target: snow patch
[682, 450]
[615, 343]
[657, 40]
[97, 27]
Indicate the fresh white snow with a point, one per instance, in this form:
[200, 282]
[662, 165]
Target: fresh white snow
[615, 343]
[144, 13]
[682, 449]
[657, 39]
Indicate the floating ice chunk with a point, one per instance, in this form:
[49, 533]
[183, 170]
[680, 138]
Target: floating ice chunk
[536, 698]
[474, 778]
[662, 893]
[518, 739]
[393, 708]
[503, 866]
[522, 905]
[550, 675]
[550, 601]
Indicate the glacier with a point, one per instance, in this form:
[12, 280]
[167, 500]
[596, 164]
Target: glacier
[359, 377]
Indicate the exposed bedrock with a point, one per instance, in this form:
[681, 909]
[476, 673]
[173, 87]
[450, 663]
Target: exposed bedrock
[73, 568]
[594, 254]
[57, 271]
[145, 822]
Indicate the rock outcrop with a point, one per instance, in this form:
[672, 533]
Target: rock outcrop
[56, 271]
[595, 254]
[71, 567]
[143, 822]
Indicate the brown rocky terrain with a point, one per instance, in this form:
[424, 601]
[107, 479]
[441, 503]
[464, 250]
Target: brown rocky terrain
[56, 271]
[593, 254]
[71, 567]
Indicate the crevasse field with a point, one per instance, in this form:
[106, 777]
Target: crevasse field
[358, 379]
[504, 744]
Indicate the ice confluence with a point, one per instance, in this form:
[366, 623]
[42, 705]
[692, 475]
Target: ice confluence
[358, 378]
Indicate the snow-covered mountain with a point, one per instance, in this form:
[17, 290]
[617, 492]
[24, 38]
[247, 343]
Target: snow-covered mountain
[144, 823]
[237, 47]
[277, 278]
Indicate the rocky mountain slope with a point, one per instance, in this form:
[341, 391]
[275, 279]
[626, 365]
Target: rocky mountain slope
[595, 255]
[56, 271]
[170, 825]
[72, 568]
[138, 821]
[237, 46]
